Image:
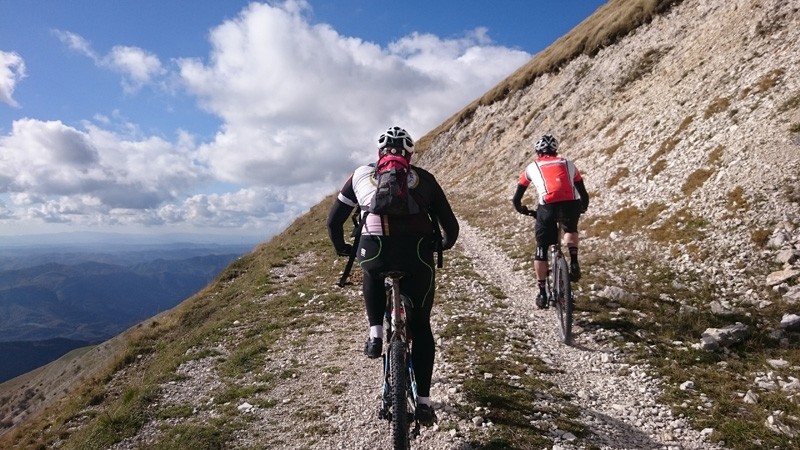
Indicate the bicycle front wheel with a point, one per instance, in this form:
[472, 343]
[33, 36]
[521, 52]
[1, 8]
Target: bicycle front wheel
[563, 300]
[399, 372]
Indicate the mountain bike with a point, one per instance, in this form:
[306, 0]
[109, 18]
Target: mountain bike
[399, 398]
[559, 289]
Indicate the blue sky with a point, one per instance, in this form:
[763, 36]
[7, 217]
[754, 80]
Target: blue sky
[229, 116]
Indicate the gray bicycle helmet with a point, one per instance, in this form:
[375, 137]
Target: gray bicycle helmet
[396, 137]
[546, 145]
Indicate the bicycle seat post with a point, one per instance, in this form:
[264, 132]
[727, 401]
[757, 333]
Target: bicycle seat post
[398, 322]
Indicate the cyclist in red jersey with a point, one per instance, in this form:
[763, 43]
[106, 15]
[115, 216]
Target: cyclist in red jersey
[398, 242]
[562, 196]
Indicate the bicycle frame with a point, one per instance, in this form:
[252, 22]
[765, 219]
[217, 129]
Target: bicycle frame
[398, 402]
[559, 289]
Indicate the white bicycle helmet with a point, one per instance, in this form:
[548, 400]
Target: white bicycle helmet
[396, 137]
[546, 145]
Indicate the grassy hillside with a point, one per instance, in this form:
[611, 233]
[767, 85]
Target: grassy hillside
[113, 400]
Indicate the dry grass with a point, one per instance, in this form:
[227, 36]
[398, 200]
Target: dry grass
[760, 237]
[736, 199]
[627, 220]
[671, 142]
[717, 106]
[682, 227]
[769, 80]
[715, 157]
[765, 83]
[621, 174]
[792, 192]
[791, 104]
[612, 149]
[658, 167]
[695, 180]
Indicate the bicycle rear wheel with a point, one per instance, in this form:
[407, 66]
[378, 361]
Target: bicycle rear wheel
[399, 372]
[564, 303]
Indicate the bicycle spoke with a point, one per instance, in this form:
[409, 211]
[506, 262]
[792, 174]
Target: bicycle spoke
[563, 300]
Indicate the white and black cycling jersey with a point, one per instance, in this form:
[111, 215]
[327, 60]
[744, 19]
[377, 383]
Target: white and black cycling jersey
[359, 189]
[363, 183]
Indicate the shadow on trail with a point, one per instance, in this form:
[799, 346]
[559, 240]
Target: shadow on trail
[592, 427]
[598, 429]
[614, 433]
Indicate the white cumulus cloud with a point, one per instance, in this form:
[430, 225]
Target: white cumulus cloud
[12, 70]
[137, 66]
[300, 101]
[300, 106]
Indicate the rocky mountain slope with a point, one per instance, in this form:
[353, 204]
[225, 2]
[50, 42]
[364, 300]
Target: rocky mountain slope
[687, 131]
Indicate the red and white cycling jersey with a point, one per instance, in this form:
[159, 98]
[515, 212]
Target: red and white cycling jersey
[553, 177]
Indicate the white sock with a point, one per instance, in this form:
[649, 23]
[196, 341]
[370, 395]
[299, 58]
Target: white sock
[376, 331]
[424, 401]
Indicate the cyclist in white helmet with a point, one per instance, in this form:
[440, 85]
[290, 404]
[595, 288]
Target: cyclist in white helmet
[561, 196]
[404, 242]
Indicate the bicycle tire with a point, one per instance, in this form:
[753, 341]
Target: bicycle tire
[399, 372]
[563, 300]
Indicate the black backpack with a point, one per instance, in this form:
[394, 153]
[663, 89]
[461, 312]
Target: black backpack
[392, 193]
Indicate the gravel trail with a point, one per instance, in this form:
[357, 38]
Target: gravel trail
[618, 401]
[325, 394]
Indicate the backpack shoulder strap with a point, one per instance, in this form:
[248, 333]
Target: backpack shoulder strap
[358, 218]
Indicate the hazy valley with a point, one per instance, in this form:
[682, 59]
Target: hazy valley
[56, 298]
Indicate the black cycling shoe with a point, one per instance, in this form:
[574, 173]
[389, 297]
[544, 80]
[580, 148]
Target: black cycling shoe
[574, 271]
[541, 300]
[373, 347]
[425, 415]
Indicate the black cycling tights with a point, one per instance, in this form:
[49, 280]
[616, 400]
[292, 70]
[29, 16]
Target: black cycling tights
[414, 256]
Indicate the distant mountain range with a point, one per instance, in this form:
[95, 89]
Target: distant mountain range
[86, 239]
[57, 298]
[22, 357]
